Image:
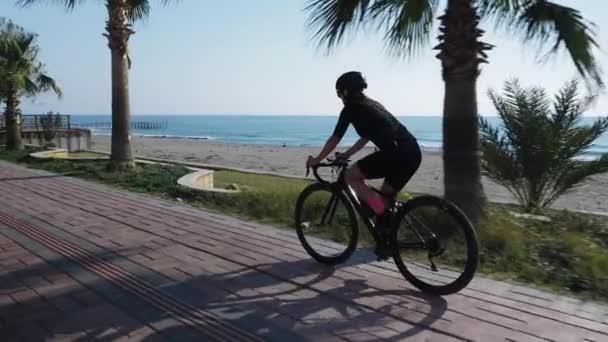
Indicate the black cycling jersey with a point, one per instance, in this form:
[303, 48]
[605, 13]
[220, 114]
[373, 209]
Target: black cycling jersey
[372, 121]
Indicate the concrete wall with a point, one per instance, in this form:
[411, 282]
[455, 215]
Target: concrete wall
[71, 140]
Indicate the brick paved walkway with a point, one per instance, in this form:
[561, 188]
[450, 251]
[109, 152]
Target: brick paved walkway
[81, 262]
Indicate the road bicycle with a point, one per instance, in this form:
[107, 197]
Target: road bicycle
[432, 242]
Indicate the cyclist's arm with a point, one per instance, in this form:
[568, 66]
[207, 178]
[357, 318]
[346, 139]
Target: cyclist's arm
[330, 145]
[356, 147]
[335, 138]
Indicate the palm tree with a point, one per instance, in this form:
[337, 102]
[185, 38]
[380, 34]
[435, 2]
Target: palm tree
[535, 154]
[121, 15]
[407, 27]
[21, 74]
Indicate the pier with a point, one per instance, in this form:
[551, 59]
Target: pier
[134, 125]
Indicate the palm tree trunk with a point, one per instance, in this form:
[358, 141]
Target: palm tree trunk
[13, 122]
[118, 33]
[461, 52]
[462, 177]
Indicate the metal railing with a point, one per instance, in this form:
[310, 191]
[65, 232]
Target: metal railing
[38, 122]
[63, 122]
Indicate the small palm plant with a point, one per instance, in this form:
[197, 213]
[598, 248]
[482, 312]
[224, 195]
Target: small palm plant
[51, 123]
[536, 154]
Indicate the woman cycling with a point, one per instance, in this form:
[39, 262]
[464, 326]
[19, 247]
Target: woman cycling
[398, 156]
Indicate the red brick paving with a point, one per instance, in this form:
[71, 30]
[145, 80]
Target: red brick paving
[246, 269]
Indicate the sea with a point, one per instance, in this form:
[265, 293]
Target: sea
[286, 130]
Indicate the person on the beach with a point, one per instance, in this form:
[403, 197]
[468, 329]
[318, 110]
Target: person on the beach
[398, 156]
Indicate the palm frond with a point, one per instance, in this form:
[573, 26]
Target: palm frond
[582, 138]
[499, 9]
[408, 23]
[330, 20]
[69, 4]
[15, 81]
[6, 25]
[47, 83]
[26, 45]
[575, 176]
[138, 10]
[550, 26]
[30, 88]
[566, 108]
[565, 119]
[498, 160]
[21, 73]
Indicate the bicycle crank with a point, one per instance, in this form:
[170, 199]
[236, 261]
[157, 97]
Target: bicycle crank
[435, 249]
[433, 266]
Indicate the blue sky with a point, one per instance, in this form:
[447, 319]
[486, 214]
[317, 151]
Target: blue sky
[256, 57]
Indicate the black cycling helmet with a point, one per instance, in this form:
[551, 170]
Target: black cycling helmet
[351, 81]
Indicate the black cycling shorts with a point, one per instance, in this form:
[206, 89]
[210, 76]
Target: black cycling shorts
[397, 167]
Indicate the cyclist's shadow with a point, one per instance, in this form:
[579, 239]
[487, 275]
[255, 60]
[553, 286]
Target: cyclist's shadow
[346, 304]
[310, 315]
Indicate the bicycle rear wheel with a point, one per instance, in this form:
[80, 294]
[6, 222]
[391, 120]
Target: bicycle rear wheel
[326, 224]
[436, 245]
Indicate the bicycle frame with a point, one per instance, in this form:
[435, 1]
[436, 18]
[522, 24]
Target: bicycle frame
[352, 197]
[342, 187]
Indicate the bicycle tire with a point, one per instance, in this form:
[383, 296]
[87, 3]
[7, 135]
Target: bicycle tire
[300, 227]
[471, 240]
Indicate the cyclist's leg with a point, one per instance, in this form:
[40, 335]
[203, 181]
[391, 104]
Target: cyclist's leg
[404, 167]
[388, 190]
[372, 166]
[407, 163]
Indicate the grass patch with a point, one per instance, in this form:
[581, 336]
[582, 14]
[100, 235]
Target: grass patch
[149, 178]
[570, 253]
[81, 155]
[262, 183]
[17, 156]
[263, 198]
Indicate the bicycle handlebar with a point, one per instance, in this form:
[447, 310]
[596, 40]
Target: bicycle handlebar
[335, 162]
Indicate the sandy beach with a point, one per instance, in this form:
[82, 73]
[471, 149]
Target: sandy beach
[592, 196]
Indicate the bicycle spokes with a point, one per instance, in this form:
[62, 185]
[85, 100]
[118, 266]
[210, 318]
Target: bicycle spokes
[429, 240]
[324, 216]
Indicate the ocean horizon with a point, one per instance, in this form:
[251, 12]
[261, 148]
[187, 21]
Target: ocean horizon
[287, 130]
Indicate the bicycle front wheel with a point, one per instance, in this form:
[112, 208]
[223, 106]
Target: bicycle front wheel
[326, 224]
[436, 246]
